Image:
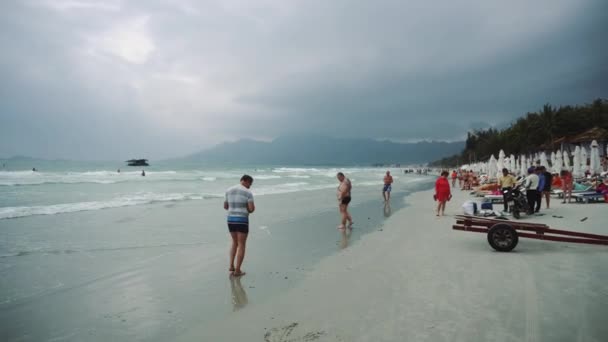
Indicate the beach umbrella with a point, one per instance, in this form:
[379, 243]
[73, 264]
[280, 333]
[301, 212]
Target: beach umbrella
[583, 160]
[557, 167]
[595, 166]
[501, 161]
[532, 161]
[523, 165]
[576, 163]
[566, 160]
[513, 164]
[543, 160]
[492, 167]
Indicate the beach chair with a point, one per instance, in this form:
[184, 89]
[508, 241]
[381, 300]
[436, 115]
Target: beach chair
[560, 192]
[588, 197]
[494, 198]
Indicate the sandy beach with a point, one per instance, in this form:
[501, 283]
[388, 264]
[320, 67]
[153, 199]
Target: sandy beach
[416, 279]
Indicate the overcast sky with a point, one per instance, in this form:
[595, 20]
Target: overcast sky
[112, 79]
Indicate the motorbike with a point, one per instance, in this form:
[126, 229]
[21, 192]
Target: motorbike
[517, 202]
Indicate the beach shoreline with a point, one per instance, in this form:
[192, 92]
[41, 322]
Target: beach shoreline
[417, 279]
[152, 271]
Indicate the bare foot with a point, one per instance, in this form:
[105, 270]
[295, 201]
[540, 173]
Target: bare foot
[231, 269]
[238, 274]
[341, 226]
[351, 224]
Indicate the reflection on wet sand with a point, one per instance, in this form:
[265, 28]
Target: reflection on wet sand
[345, 237]
[387, 209]
[239, 296]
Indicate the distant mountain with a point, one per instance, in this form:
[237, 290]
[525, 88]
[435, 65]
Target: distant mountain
[317, 150]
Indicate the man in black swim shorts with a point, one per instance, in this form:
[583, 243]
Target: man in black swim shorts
[344, 199]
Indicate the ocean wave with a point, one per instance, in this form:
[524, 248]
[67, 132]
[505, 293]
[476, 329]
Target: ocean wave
[123, 201]
[265, 177]
[289, 188]
[294, 169]
[30, 178]
[298, 176]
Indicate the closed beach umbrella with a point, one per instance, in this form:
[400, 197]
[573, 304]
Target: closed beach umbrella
[584, 155]
[492, 167]
[576, 163]
[557, 167]
[513, 164]
[523, 165]
[543, 160]
[595, 167]
[501, 161]
[566, 160]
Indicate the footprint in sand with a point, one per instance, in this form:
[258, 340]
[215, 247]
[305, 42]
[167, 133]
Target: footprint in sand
[284, 334]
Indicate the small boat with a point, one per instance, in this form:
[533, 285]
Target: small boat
[138, 162]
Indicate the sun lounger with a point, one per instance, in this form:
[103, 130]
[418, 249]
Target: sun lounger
[560, 192]
[494, 198]
[589, 196]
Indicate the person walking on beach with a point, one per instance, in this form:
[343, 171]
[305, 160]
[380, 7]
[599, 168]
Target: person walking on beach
[541, 187]
[239, 203]
[343, 200]
[454, 177]
[506, 183]
[567, 182]
[531, 185]
[442, 192]
[546, 190]
[386, 189]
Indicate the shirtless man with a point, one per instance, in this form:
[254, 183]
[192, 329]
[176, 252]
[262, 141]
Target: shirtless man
[386, 190]
[343, 195]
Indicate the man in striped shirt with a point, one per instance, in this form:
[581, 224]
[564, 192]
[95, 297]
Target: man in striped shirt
[239, 203]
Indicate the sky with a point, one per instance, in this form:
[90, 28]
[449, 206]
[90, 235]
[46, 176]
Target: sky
[114, 79]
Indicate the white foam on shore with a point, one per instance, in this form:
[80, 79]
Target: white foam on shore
[25, 178]
[123, 201]
[266, 177]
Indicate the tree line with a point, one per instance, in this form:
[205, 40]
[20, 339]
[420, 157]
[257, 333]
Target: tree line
[531, 133]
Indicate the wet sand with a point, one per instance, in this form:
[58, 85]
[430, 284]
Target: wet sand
[416, 279]
[154, 272]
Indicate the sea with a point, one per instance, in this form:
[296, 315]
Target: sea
[94, 251]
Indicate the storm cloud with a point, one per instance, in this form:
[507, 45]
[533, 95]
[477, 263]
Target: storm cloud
[114, 79]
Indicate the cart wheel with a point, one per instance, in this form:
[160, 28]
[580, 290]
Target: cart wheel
[502, 237]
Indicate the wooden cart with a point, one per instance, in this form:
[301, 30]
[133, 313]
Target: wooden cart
[503, 235]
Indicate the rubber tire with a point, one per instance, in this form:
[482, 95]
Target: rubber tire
[502, 237]
[516, 213]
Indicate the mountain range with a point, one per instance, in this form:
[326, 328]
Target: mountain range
[320, 150]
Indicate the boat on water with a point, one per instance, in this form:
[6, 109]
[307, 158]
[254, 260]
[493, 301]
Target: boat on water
[138, 162]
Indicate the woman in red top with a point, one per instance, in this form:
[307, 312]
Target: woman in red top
[442, 192]
[454, 176]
